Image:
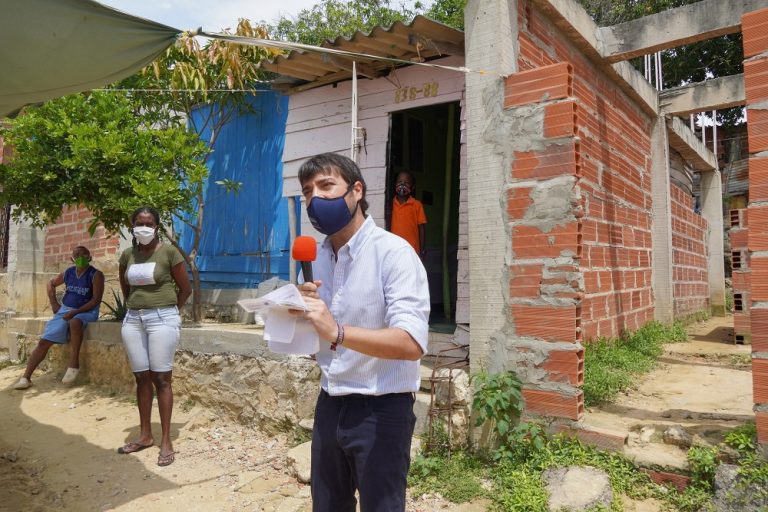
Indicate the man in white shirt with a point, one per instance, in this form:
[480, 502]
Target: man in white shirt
[369, 304]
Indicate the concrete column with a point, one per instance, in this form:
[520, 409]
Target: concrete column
[26, 276]
[661, 233]
[491, 45]
[24, 280]
[712, 210]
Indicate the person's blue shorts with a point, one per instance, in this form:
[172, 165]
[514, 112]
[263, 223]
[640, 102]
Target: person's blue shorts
[57, 329]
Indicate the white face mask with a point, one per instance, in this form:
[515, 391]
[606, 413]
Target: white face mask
[144, 234]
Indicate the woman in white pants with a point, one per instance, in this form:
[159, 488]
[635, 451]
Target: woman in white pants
[154, 281]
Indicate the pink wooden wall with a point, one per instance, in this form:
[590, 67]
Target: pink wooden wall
[319, 121]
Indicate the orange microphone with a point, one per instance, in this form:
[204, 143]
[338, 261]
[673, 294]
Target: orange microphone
[305, 252]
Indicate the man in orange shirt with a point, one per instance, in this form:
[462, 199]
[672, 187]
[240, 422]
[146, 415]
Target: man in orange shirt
[408, 218]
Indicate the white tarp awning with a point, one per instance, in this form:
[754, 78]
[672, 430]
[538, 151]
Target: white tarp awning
[51, 48]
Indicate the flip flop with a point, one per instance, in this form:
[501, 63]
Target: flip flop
[133, 448]
[166, 460]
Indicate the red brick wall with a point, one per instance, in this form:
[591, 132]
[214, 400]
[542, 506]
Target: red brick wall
[755, 65]
[612, 154]
[740, 275]
[70, 230]
[689, 255]
[589, 273]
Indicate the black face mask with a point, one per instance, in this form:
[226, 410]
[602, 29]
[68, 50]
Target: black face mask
[330, 216]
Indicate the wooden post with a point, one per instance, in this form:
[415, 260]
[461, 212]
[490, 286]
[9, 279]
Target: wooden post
[447, 208]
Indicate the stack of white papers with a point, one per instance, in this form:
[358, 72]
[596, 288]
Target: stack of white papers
[285, 333]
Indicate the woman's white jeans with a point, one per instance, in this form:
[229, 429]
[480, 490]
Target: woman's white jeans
[150, 337]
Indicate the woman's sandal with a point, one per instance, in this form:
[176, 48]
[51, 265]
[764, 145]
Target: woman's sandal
[167, 459]
[133, 448]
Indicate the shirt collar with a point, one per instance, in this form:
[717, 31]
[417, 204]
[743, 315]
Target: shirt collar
[358, 239]
[409, 200]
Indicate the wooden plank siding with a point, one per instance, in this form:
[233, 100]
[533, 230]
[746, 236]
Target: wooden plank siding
[319, 121]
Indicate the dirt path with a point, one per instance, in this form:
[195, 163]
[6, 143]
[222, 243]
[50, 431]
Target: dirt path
[62, 444]
[66, 440]
[704, 385]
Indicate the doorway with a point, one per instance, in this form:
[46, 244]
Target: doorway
[425, 142]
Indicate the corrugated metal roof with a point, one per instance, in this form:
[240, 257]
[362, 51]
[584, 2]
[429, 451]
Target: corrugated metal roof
[421, 40]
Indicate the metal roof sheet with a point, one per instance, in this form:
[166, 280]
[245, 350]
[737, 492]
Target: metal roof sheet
[421, 40]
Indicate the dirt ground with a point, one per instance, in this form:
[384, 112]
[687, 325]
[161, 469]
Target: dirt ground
[58, 444]
[704, 385]
[58, 452]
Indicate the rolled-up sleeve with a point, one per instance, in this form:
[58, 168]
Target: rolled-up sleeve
[406, 294]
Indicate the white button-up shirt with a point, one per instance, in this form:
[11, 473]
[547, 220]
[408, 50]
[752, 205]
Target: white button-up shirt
[377, 281]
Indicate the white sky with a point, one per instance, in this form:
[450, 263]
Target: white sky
[213, 15]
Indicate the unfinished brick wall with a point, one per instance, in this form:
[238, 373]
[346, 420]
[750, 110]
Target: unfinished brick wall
[70, 230]
[739, 257]
[611, 148]
[583, 270]
[755, 40]
[689, 260]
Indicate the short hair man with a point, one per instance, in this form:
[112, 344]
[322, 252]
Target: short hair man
[369, 305]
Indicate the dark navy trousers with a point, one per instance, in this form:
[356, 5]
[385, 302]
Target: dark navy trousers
[362, 443]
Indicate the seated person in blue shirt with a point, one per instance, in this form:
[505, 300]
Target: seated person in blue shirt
[83, 289]
[369, 304]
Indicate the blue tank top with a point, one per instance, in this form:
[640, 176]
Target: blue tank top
[78, 290]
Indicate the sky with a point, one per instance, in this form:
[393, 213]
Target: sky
[211, 15]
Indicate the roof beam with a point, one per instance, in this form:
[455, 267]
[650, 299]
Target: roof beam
[442, 47]
[714, 94]
[372, 47]
[366, 70]
[285, 67]
[683, 140]
[674, 27]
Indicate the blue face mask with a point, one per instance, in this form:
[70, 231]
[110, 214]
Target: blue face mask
[329, 216]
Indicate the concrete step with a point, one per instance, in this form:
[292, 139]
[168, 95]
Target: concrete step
[426, 374]
[421, 410]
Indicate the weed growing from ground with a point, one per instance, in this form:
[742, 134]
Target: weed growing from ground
[524, 450]
[613, 365]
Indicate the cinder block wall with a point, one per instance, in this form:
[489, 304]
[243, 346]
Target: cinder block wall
[755, 39]
[689, 255]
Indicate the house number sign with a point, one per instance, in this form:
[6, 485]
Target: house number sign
[428, 90]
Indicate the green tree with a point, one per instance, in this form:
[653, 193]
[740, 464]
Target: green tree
[129, 146]
[330, 19]
[721, 56]
[100, 150]
[448, 12]
[205, 86]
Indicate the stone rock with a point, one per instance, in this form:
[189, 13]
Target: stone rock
[299, 458]
[646, 434]
[459, 388]
[577, 488]
[727, 455]
[307, 424]
[733, 495]
[677, 436]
